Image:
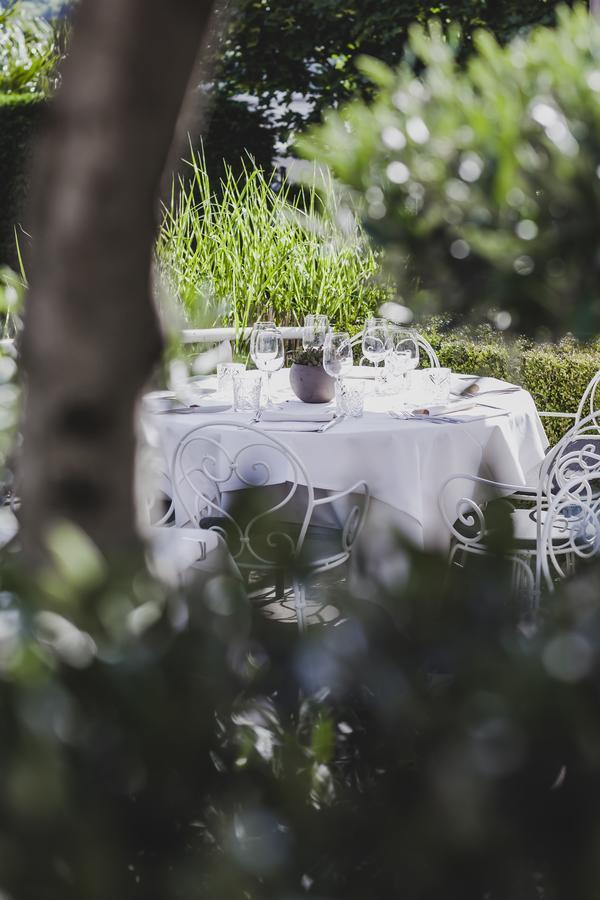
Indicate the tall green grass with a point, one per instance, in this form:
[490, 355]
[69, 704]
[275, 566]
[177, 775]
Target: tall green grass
[257, 252]
[29, 51]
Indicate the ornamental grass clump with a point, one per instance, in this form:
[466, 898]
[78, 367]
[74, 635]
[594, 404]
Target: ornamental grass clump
[263, 252]
[482, 181]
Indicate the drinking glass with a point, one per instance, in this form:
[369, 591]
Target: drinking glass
[374, 340]
[337, 356]
[266, 349]
[350, 397]
[439, 383]
[402, 354]
[314, 332]
[225, 373]
[246, 391]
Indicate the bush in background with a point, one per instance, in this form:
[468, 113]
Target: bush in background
[483, 182]
[556, 375]
[20, 115]
[297, 58]
[29, 54]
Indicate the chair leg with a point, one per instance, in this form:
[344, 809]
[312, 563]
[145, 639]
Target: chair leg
[300, 604]
[279, 584]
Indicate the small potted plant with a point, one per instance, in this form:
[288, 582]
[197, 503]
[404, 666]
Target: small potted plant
[309, 380]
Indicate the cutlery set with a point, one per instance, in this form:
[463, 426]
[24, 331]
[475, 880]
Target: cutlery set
[448, 419]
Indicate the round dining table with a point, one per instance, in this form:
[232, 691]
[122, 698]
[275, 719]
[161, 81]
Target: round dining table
[405, 461]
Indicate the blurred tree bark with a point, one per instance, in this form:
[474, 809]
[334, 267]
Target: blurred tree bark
[91, 333]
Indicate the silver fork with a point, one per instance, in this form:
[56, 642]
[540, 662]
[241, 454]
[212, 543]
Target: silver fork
[435, 420]
[327, 425]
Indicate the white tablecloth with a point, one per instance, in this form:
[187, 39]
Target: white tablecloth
[405, 463]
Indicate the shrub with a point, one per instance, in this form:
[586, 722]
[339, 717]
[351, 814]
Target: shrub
[258, 252]
[29, 54]
[276, 53]
[19, 118]
[556, 376]
[483, 181]
[479, 351]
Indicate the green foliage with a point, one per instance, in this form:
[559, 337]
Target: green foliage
[259, 252]
[556, 376]
[476, 357]
[28, 51]
[310, 357]
[29, 55]
[483, 183]
[277, 53]
[19, 118]
[176, 745]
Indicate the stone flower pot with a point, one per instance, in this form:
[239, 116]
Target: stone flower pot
[311, 384]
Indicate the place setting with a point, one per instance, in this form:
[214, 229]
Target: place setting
[333, 378]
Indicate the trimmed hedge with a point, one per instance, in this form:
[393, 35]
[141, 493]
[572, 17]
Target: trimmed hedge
[20, 115]
[556, 375]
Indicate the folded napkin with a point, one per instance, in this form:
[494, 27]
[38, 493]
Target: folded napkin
[207, 400]
[459, 384]
[297, 411]
[442, 409]
[369, 372]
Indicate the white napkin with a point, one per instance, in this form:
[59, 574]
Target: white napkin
[442, 409]
[369, 372]
[189, 395]
[485, 385]
[297, 411]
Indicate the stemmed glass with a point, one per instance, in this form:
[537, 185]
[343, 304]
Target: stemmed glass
[374, 340]
[266, 349]
[314, 332]
[402, 354]
[337, 355]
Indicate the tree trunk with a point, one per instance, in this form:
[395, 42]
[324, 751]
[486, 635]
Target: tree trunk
[91, 333]
[595, 7]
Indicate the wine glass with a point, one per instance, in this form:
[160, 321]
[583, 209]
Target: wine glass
[266, 349]
[314, 332]
[374, 340]
[402, 354]
[337, 355]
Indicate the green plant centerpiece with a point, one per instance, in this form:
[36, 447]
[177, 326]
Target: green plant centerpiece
[309, 380]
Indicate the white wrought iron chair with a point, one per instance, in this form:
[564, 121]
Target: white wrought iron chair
[422, 343]
[220, 473]
[575, 457]
[571, 529]
[175, 555]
